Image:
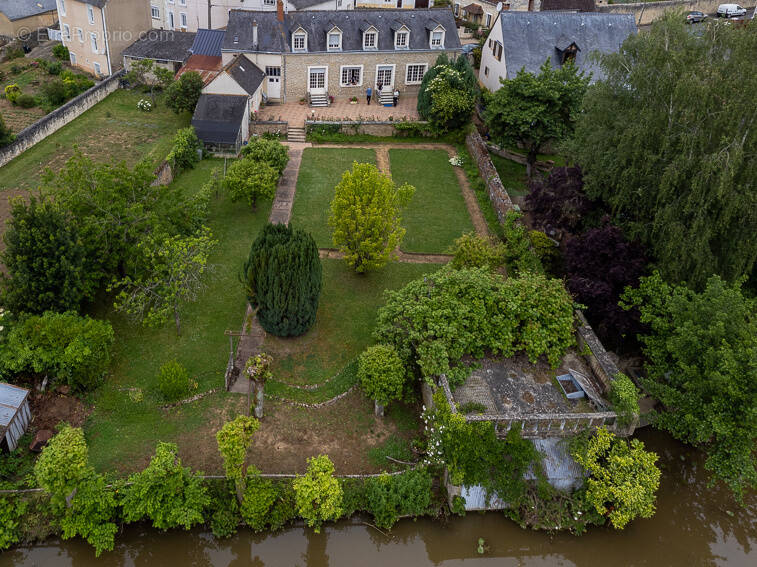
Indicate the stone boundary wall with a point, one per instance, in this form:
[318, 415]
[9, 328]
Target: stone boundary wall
[59, 118]
[594, 353]
[646, 12]
[258, 127]
[385, 128]
[497, 193]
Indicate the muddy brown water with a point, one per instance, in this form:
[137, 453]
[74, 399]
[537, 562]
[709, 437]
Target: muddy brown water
[694, 525]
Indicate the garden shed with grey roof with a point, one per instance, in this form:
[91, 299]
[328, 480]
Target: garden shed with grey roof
[15, 415]
[168, 47]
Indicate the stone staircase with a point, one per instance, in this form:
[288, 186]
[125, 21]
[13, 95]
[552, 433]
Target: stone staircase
[319, 100]
[296, 133]
[386, 98]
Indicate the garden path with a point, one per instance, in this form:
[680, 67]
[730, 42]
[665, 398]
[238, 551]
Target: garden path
[281, 211]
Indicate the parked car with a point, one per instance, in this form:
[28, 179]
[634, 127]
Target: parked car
[731, 11]
[695, 17]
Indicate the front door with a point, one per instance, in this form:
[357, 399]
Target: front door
[317, 80]
[274, 81]
[385, 76]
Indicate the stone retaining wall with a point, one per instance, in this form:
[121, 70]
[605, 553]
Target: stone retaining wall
[59, 118]
[269, 127]
[594, 353]
[497, 194]
[386, 128]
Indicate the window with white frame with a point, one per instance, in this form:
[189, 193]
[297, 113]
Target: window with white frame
[66, 32]
[93, 42]
[437, 39]
[72, 57]
[488, 20]
[80, 35]
[299, 41]
[90, 14]
[351, 76]
[155, 12]
[62, 7]
[400, 39]
[415, 73]
[335, 41]
[369, 40]
[98, 71]
[183, 19]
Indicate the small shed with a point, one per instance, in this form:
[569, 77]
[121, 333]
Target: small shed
[222, 121]
[14, 415]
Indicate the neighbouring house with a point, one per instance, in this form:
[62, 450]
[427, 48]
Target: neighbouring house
[96, 32]
[316, 55]
[26, 16]
[404, 4]
[525, 40]
[192, 15]
[222, 121]
[14, 415]
[205, 57]
[169, 49]
[483, 12]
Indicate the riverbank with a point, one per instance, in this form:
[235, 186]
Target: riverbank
[694, 525]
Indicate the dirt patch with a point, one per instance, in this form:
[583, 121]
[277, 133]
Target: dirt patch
[51, 408]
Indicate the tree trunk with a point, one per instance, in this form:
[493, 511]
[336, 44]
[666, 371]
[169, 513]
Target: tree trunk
[178, 322]
[531, 161]
[259, 397]
[378, 409]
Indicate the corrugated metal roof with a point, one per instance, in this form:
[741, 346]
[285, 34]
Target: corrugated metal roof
[11, 398]
[208, 42]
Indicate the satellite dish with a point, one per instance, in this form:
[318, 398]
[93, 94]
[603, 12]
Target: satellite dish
[499, 6]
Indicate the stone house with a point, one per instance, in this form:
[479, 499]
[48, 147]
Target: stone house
[525, 40]
[169, 49]
[96, 32]
[316, 55]
[484, 12]
[19, 17]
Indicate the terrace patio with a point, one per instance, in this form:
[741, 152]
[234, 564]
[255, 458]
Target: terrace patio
[295, 113]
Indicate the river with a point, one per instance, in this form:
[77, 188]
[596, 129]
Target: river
[694, 525]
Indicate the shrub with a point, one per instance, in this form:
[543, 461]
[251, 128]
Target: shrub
[546, 250]
[519, 253]
[61, 52]
[166, 493]
[365, 216]
[259, 497]
[283, 279]
[435, 321]
[70, 349]
[173, 381]
[389, 497]
[623, 479]
[26, 101]
[183, 94]
[558, 202]
[473, 251]
[12, 510]
[54, 68]
[12, 92]
[249, 180]
[6, 135]
[448, 93]
[624, 396]
[54, 92]
[271, 151]
[318, 495]
[184, 153]
[381, 374]
[223, 510]
[284, 509]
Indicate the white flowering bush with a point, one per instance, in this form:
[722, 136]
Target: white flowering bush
[456, 160]
[144, 105]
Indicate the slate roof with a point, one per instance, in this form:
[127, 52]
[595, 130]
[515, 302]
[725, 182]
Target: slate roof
[529, 38]
[165, 45]
[208, 42]
[20, 9]
[568, 5]
[276, 37]
[247, 75]
[304, 4]
[218, 118]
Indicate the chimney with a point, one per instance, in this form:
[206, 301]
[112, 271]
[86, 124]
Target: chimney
[280, 10]
[254, 34]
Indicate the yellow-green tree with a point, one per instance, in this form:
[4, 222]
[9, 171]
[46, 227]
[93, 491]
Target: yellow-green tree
[365, 216]
[318, 495]
[234, 439]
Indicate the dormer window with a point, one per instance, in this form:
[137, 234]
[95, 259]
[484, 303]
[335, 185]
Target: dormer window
[401, 39]
[370, 39]
[437, 39]
[335, 39]
[299, 40]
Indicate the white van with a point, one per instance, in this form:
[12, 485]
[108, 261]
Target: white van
[731, 11]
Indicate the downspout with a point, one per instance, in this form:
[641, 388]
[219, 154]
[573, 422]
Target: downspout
[105, 37]
[210, 9]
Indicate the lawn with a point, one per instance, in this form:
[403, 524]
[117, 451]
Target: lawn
[122, 432]
[320, 172]
[111, 130]
[344, 324]
[437, 214]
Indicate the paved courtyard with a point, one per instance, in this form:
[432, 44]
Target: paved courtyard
[295, 113]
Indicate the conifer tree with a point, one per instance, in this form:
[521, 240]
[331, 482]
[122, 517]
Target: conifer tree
[283, 279]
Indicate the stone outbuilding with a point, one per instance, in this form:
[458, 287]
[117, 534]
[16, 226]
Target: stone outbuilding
[169, 49]
[20, 17]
